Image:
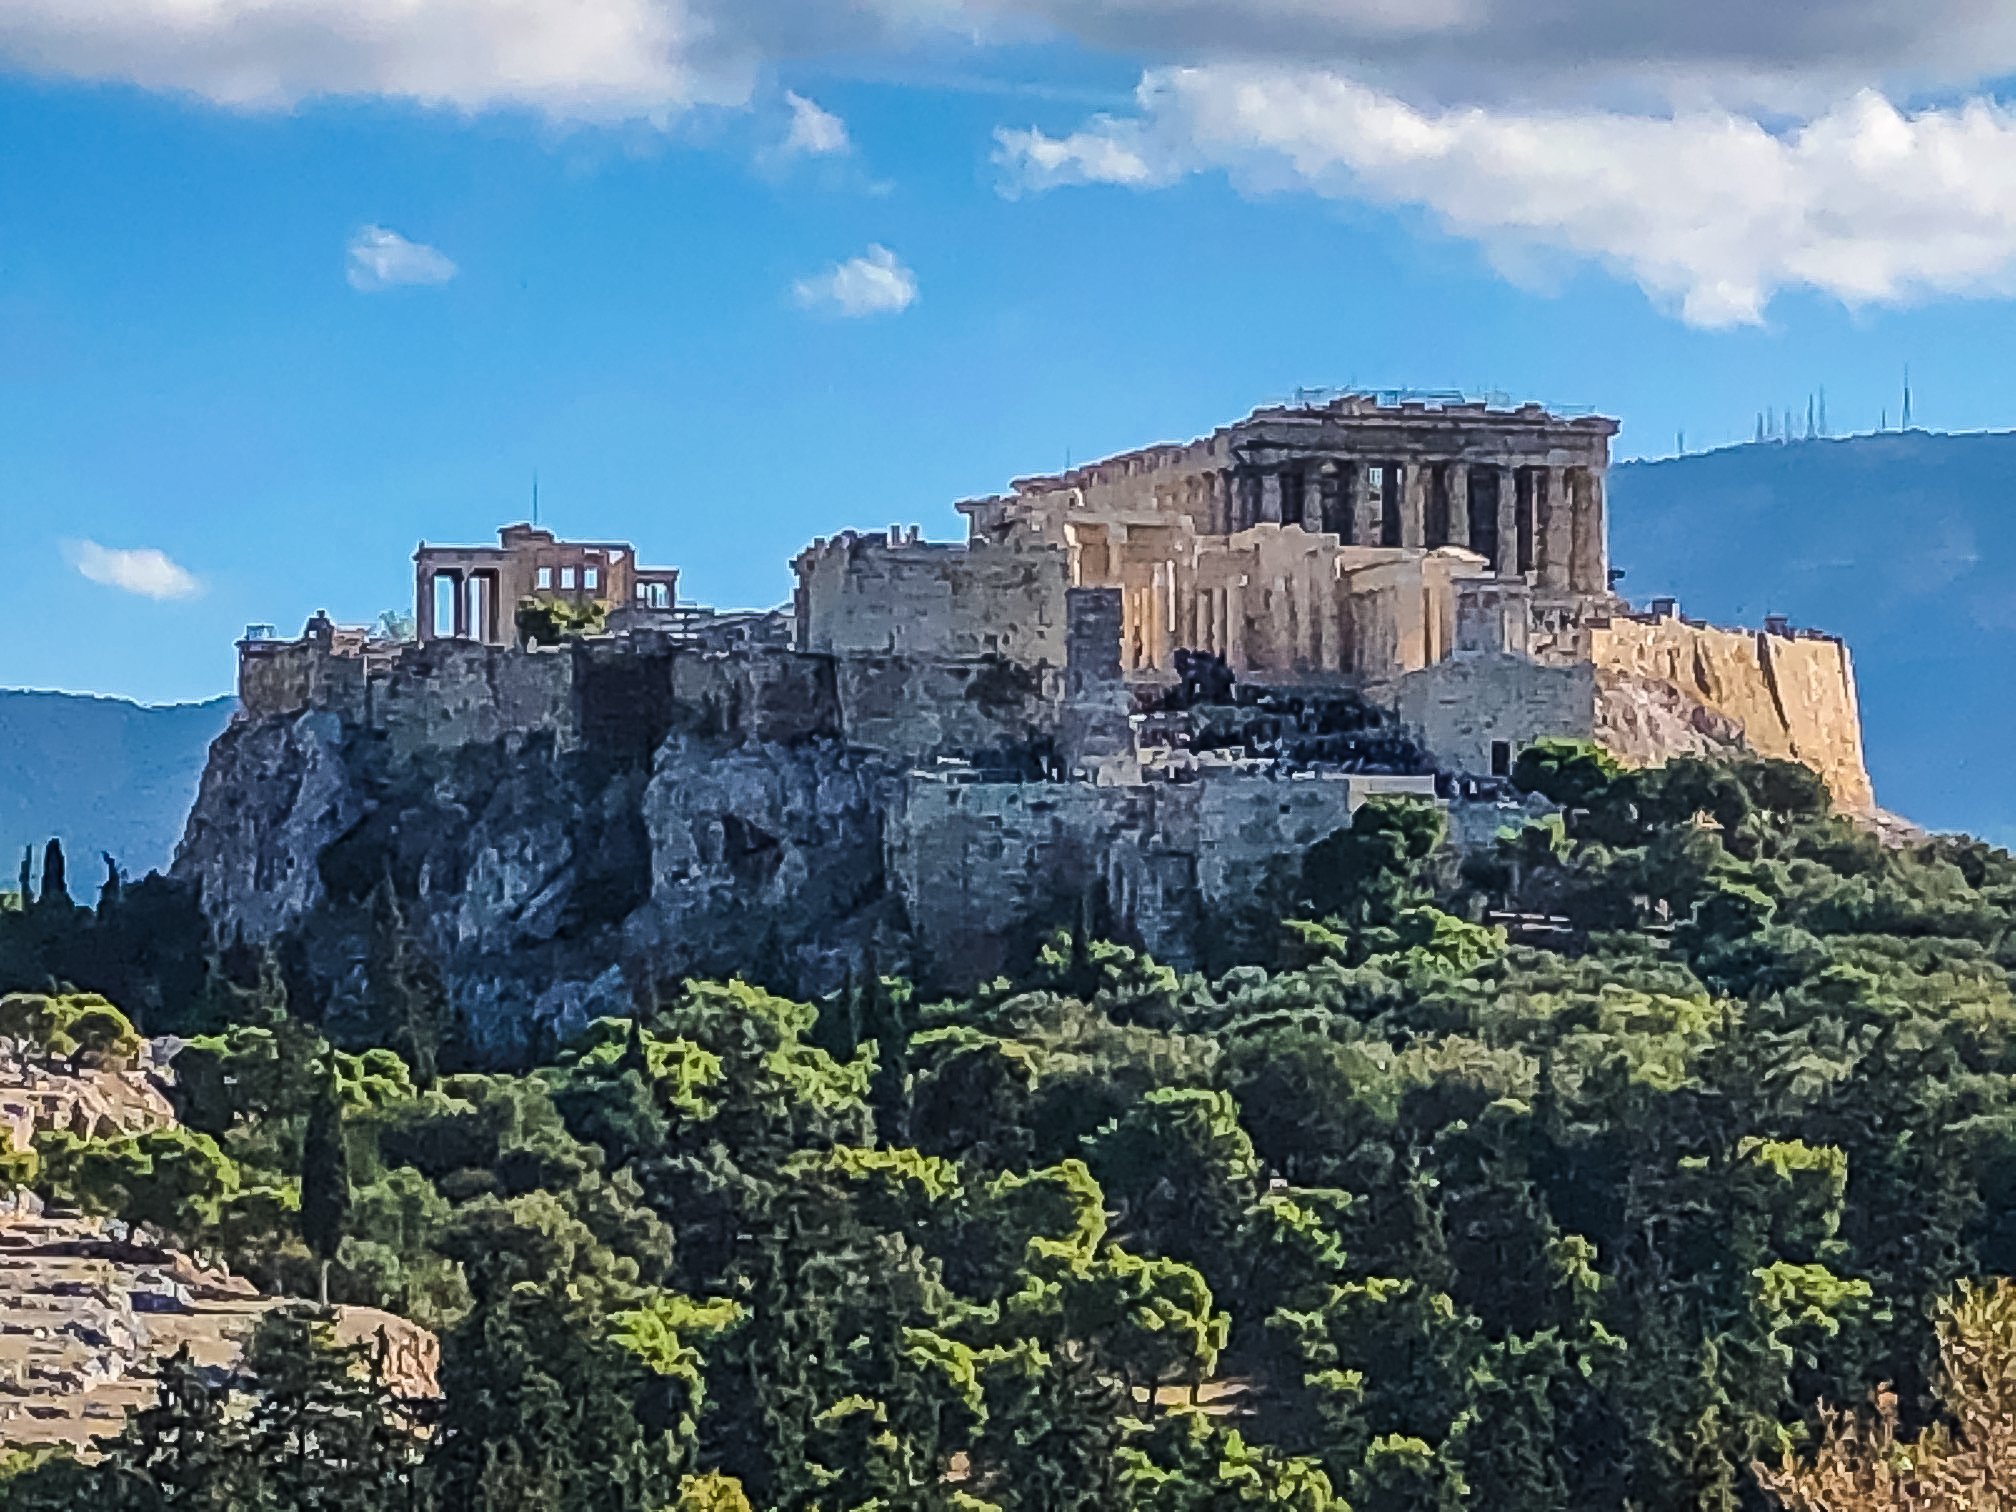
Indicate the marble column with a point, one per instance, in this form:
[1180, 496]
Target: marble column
[1557, 530]
[461, 582]
[1367, 507]
[1508, 522]
[1457, 474]
[1414, 505]
[1270, 498]
[1165, 616]
[1590, 573]
[1235, 626]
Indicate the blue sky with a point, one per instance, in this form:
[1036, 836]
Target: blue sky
[280, 299]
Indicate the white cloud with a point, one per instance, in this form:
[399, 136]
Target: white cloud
[648, 59]
[567, 59]
[379, 259]
[142, 569]
[815, 132]
[875, 283]
[1706, 210]
[1568, 49]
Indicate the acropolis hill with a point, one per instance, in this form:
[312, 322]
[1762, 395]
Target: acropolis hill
[1146, 685]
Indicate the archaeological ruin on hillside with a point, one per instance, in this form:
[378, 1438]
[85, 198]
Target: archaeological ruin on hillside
[1165, 671]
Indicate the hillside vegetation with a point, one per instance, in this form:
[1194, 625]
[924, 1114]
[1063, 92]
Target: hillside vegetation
[1410, 1216]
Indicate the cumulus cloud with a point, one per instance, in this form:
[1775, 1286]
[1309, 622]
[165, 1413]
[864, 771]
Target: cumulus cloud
[875, 283]
[380, 259]
[629, 59]
[1706, 210]
[1567, 49]
[815, 132]
[141, 569]
[604, 60]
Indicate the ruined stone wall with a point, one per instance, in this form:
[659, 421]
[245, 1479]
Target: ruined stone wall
[1461, 708]
[1178, 867]
[442, 694]
[277, 680]
[1793, 695]
[869, 595]
[759, 694]
[915, 709]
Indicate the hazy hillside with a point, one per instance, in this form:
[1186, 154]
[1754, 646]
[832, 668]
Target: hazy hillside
[104, 774]
[1904, 544]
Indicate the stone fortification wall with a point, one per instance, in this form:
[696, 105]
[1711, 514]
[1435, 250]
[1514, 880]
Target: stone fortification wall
[984, 866]
[897, 595]
[910, 709]
[438, 694]
[1475, 713]
[1793, 695]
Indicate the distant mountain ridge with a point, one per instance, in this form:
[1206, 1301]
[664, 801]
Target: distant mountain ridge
[101, 774]
[1904, 544]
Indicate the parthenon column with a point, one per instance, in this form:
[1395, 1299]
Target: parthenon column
[1367, 507]
[1163, 578]
[1557, 530]
[1456, 476]
[1413, 504]
[1270, 498]
[1235, 625]
[1508, 522]
[1589, 555]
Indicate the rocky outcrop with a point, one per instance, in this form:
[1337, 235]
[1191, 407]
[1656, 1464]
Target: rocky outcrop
[545, 882]
[1787, 695]
[89, 1310]
[1644, 721]
[39, 1093]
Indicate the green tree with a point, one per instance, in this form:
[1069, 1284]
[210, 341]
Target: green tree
[325, 1181]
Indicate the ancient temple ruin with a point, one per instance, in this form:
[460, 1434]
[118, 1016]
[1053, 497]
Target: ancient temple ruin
[1331, 539]
[472, 592]
[1161, 677]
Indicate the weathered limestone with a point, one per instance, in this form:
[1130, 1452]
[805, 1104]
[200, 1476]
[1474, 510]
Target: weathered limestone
[898, 595]
[1791, 694]
[1173, 863]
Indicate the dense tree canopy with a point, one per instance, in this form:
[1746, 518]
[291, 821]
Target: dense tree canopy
[1603, 1171]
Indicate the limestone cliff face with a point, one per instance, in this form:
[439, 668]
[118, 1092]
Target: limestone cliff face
[537, 873]
[1786, 696]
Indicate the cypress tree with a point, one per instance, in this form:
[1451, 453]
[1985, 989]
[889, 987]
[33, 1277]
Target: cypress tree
[325, 1178]
[55, 885]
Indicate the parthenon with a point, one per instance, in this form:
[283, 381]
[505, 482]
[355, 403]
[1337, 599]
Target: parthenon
[1347, 538]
